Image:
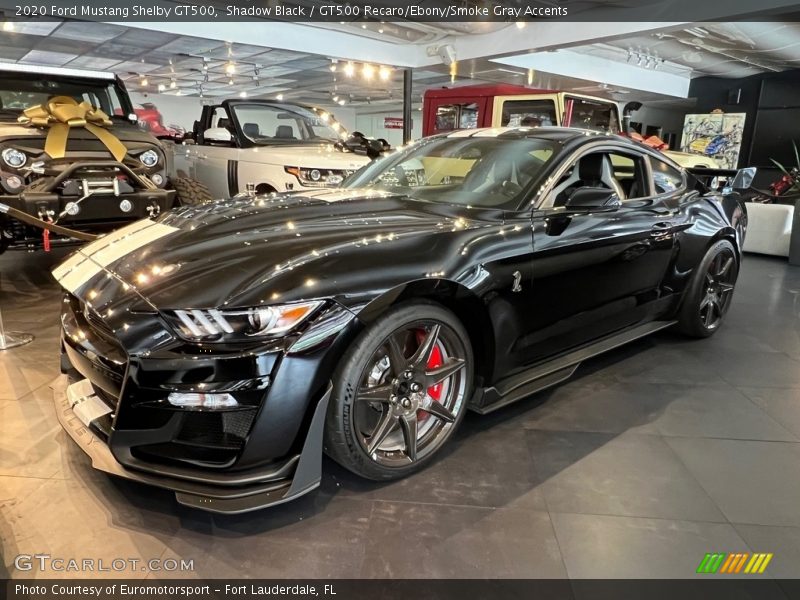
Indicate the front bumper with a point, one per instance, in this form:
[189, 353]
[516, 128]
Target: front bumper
[229, 493]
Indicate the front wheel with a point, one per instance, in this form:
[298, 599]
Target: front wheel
[710, 292]
[400, 392]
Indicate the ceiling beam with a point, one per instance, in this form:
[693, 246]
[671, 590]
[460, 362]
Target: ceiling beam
[602, 70]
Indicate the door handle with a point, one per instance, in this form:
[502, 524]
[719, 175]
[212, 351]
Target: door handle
[661, 229]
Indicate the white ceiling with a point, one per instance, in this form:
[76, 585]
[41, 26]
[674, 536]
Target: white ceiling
[722, 49]
[718, 49]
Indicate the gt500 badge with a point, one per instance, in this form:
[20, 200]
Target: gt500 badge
[91, 259]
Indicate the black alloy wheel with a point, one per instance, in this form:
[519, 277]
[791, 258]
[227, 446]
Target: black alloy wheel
[710, 292]
[400, 393]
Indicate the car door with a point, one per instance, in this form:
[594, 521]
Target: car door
[216, 162]
[597, 270]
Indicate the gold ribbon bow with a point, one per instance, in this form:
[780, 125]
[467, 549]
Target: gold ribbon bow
[60, 114]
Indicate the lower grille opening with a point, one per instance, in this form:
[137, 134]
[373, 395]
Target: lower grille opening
[205, 438]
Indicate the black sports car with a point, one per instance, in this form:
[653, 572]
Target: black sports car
[219, 350]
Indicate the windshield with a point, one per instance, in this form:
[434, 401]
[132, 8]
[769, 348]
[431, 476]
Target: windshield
[18, 92]
[489, 172]
[286, 124]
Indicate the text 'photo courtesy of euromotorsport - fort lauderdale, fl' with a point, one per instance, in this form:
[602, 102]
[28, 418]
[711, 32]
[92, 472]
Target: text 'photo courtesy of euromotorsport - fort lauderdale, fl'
[383, 299]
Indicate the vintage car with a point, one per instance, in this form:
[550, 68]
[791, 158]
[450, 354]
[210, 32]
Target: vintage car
[506, 105]
[75, 180]
[219, 350]
[273, 146]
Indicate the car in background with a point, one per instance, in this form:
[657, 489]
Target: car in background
[87, 189]
[219, 349]
[274, 146]
[506, 105]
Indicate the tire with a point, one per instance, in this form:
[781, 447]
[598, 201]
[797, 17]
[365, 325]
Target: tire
[370, 436]
[190, 191]
[710, 291]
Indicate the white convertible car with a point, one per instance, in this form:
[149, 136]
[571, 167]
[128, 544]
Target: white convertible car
[275, 146]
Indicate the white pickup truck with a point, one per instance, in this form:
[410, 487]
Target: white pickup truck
[275, 146]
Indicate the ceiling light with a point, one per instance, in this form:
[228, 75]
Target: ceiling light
[521, 24]
[205, 64]
[384, 73]
[333, 65]
[367, 71]
[342, 102]
[8, 26]
[230, 68]
[336, 98]
[349, 69]
[230, 81]
[173, 84]
[380, 30]
[242, 94]
[143, 81]
[161, 87]
[279, 97]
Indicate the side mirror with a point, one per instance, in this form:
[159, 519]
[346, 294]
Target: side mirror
[594, 197]
[217, 134]
[744, 178]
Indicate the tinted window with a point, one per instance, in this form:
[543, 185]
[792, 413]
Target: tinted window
[666, 178]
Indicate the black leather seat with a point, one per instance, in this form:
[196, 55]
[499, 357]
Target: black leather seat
[284, 132]
[251, 130]
[594, 170]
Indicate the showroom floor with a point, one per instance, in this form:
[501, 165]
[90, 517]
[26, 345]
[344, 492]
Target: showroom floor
[650, 457]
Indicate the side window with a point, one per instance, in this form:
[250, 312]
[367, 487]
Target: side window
[591, 114]
[624, 174]
[528, 113]
[666, 178]
[450, 117]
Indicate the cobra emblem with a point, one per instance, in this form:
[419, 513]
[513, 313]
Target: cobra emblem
[517, 287]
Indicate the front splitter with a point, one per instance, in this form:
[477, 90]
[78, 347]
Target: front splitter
[213, 498]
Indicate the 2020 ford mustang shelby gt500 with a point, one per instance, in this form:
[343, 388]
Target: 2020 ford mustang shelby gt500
[219, 350]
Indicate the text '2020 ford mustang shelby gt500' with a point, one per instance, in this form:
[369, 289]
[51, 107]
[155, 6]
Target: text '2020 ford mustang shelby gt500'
[219, 350]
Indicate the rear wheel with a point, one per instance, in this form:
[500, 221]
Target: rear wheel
[400, 392]
[710, 292]
[190, 191]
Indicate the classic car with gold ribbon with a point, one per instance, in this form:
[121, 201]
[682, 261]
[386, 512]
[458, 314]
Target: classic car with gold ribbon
[72, 154]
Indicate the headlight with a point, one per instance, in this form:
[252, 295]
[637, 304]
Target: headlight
[149, 158]
[317, 177]
[241, 324]
[14, 158]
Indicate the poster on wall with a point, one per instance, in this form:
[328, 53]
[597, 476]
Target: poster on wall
[714, 135]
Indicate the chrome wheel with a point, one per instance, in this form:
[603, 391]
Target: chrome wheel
[717, 289]
[410, 394]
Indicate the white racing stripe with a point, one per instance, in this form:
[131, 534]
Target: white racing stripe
[91, 260]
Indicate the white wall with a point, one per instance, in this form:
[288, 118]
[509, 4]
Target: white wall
[371, 125]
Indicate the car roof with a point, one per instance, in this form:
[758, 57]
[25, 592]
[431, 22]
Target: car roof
[561, 135]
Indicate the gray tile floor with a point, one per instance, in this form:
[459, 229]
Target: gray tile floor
[650, 457]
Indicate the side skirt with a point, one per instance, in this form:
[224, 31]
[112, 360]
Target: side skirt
[552, 372]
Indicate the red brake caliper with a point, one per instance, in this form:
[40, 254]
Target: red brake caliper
[434, 361]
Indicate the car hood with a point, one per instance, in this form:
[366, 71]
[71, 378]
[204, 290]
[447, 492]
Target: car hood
[267, 249]
[319, 156]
